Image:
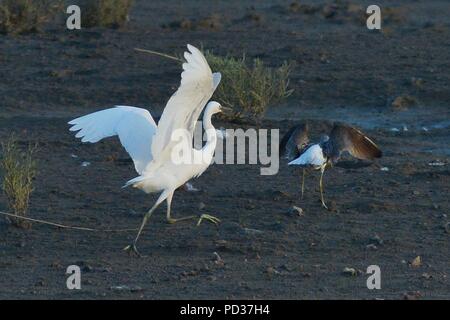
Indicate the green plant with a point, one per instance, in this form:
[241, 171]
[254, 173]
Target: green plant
[249, 90]
[104, 13]
[19, 170]
[22, 16]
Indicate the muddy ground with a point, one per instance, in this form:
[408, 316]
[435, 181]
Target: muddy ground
[343, 72]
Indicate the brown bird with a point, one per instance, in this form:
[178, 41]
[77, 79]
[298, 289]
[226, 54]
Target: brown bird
[295, 147]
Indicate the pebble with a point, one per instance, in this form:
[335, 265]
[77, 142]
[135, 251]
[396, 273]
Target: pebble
[272, 270]
[297, 211]
[447, 227]
[427, 276]
[85, 163]
[412, 295]
[252, 231]
[217, 259]
[350, 271]
[417, 262]
[403, 102]
[127, 288]
[377, 240]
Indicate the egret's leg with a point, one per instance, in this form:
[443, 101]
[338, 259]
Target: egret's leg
[132, 247]
[322, 170]
[169, 218]
[303, 182]
[202, 217]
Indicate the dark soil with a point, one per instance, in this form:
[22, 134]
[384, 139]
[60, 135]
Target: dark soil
[343, 72]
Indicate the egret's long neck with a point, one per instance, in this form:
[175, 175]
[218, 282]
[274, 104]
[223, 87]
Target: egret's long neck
[211, 135]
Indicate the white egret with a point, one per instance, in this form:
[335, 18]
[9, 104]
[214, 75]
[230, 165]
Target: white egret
[152, 147]
[328, 151]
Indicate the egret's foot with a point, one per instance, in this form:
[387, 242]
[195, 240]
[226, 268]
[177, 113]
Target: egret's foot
[172, 220]
[131, 249]
[208, 218]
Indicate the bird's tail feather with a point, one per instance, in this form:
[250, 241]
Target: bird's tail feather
[134, 181]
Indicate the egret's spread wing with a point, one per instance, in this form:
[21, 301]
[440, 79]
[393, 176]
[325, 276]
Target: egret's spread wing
[184, 107]
[134, 126]
[345, 138]
[293, 141]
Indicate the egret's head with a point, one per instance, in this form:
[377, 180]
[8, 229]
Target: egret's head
[214, 107]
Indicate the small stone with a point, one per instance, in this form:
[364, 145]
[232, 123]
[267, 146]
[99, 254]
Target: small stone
[56, 265]
[126, 288]
[350, 272]
[412, 295]
[40, 283]
[404, 102]
[447, 227]
[372, 247]
[436, 163]
[329, 11]
[201, 206]
[297, 211]
[87, 268]
[285, 267]
[427, 276]
[253, 231]
[417, 262]
[217, 259]
[272, 270]
[189, 187]
[377, 240]
[184, 274]
[332, 206]
[417, 82]
[211, 278]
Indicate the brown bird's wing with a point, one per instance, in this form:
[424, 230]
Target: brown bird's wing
[346, 138]
[293, 140]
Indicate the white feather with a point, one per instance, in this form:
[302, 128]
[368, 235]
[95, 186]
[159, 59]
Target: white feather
[313, 156]
[134, 126]
[184, 107]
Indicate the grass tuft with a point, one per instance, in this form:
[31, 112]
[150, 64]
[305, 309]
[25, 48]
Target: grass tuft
[25, 16]
[104, 13]
[249, 89]
[19, 170]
